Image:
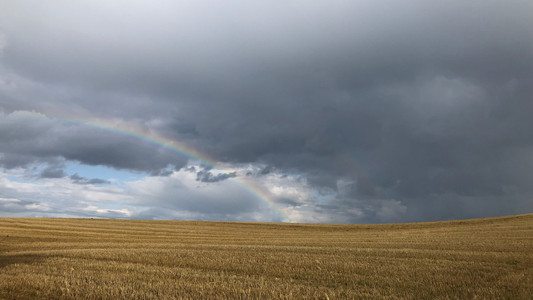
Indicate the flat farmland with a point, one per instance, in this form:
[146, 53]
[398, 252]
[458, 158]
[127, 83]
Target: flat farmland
[42, 258]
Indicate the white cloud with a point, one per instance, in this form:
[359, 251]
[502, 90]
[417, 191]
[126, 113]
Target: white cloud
[181, 196]
[181, 193]
[56, 197]
[10, 200]
[112, 213]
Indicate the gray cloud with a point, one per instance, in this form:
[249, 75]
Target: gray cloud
[425, 108]
[82, 180]
[52, 172]
[207, 176]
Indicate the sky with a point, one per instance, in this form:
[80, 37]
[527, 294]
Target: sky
[280, 111]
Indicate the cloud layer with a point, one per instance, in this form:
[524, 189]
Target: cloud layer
[381, 111]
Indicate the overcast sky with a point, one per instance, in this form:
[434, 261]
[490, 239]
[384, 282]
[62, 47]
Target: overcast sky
[334, 111]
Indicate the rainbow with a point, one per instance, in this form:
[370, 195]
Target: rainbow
[153, 138]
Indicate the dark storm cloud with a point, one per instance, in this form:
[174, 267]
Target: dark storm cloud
[424, 106]
[30, 137]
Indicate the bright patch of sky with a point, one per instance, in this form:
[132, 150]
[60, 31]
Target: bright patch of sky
[102, 172]
[19, 179]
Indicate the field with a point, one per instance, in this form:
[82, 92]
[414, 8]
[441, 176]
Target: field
[110, 259]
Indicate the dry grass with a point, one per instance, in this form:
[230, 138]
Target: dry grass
[110, 259]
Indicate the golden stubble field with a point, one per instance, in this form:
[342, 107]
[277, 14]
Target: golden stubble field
[130, 259]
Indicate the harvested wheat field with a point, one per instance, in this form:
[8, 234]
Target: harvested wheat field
[131, 259]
